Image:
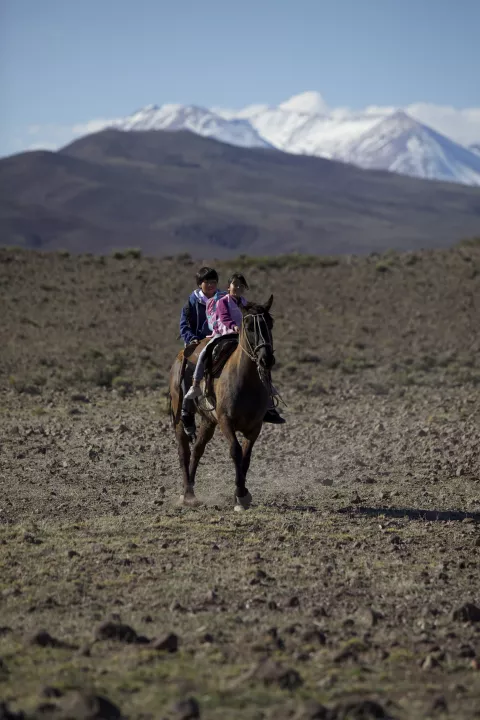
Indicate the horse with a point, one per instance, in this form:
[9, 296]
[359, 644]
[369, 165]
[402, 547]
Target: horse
[242, 395]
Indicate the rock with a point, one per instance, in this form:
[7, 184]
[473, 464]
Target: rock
[363, 710]
[312, 711]
[86, 706]
[188, 709]
[7, 714]
[168, 642]
[430, 662]
[314, 636]
[273, 673]
[467, 651]
[46, 709]
[176, 606]
[367, 617]
[439, 704]
[44, 639]
[110, 630]
[467, 613]
[79, 397]
[293, 602]
[51, 692]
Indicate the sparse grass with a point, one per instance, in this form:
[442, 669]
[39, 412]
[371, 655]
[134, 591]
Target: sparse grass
[180, 548]
[285, 262]
[381, 435]
[383, 266]
[134, 253]
[473, 242]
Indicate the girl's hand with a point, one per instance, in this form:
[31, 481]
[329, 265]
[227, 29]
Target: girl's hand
[236, 329]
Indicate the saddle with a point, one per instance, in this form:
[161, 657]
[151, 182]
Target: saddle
[218, 353]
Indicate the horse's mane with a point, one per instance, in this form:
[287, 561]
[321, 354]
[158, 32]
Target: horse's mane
[256, 309]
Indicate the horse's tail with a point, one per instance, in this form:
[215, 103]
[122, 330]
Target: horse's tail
[170, 408]
[175, 412]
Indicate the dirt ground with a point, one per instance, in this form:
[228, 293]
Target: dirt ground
[351, 589]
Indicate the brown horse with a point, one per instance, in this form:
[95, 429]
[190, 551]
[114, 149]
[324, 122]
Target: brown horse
[242, 394]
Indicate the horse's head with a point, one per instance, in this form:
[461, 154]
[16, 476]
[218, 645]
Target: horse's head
[257, 327]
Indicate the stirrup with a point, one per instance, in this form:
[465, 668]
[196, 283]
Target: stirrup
[194, 392]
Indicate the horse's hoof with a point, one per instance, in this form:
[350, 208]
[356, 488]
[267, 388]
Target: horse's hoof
[243, 503]
[189, 501]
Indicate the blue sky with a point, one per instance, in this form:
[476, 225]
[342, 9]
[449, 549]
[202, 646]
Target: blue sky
[64, 62]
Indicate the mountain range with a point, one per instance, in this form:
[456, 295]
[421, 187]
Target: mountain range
[176, 191]
[304, 125]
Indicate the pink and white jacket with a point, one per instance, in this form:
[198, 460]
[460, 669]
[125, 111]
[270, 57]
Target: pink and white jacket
[227, 315]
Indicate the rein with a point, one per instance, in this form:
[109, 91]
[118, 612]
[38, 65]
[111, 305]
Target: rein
[259, 342]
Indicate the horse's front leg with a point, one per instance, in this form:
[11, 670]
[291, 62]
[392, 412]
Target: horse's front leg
[247, 448]
[243, 498]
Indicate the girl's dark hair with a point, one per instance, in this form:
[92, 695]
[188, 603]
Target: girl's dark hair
[239, 277]
[206, 273]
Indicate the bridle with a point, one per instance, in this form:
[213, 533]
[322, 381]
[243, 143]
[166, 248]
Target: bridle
[260, 341]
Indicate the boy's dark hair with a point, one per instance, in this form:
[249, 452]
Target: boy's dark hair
[206, 273]
[239, 277]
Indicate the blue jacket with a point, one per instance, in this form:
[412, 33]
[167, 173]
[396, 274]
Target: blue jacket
[193, 320]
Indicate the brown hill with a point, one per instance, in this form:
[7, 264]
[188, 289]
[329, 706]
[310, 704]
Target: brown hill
[166, 192]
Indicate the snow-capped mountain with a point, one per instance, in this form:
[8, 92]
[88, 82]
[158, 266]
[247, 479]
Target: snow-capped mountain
[196, 119]
[475, 148]
[401, 144]
[380, 138]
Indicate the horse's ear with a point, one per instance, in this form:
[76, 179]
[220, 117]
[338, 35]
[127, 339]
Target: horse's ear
[268, 304]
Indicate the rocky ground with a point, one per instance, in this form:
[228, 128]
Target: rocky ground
[352, 587]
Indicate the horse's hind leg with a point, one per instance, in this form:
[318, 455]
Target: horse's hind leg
[184, 457]
[243, 498]
[205, 434]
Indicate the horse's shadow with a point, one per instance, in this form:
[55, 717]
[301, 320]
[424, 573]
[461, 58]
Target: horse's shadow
[387, 512]
[412, 513]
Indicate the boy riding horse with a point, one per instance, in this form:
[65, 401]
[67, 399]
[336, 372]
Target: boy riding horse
[225, 318]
